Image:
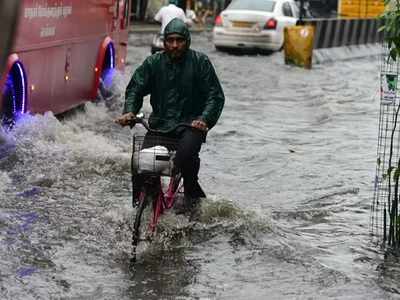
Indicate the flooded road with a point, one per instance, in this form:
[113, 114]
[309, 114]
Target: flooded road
[289, 175]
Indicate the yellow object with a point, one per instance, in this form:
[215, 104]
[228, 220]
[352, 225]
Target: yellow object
[298, 45]
[360, 8]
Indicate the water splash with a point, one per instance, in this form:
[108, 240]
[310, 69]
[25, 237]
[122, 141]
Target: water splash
[27, 271]
[5, 182]
[215, 217]
[29, 193]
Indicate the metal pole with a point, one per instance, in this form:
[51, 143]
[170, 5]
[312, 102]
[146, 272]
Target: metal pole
[301, 13]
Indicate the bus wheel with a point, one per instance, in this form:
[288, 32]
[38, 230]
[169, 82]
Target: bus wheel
[14, 96]
[107, 74]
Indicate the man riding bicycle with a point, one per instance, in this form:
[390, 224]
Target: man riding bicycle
[184, 88]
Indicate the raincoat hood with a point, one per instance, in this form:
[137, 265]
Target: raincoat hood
[179, 27]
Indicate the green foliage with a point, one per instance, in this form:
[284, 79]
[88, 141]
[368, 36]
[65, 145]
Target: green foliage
[396, 174]
[391, 18]
[389, 171]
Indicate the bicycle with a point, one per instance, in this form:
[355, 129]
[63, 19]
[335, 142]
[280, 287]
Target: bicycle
[148, 165]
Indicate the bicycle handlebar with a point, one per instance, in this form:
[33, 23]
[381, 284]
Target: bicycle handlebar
[139, 119]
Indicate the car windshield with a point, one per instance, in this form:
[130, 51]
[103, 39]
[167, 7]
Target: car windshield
[263, 5]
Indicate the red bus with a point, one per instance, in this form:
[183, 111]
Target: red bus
[63, 50]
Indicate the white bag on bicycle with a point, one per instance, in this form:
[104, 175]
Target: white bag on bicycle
[155, 159]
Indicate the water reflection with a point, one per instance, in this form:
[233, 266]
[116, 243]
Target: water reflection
[163, 274]
[389, 272]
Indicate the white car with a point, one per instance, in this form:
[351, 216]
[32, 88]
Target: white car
[254, 24]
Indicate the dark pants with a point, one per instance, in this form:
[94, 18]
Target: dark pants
[187, 160]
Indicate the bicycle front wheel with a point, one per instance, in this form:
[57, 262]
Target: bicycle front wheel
[138, 221]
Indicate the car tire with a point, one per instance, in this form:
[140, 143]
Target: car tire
[266, 52]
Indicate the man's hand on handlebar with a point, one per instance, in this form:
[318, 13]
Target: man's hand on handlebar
[130, 118]
[125, 119]
[200, 124]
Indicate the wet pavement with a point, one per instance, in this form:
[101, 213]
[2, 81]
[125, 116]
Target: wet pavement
[288, 172]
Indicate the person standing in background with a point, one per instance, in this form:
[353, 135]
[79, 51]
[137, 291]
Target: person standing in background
[169, 12]
[191, 17]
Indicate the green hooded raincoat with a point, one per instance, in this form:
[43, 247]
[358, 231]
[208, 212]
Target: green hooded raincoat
[180, 91]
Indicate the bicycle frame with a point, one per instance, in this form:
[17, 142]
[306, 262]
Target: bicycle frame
[148, 181]
[164, 201]
[161, 202]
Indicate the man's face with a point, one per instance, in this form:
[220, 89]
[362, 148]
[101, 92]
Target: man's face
[175, 46]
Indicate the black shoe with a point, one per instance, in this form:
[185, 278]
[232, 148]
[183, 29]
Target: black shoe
[187, 206]
[193, 202]
[195, 211]
[196, 191]
[179, 206]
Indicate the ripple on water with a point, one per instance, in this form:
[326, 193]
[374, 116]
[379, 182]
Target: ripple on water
[74, 175]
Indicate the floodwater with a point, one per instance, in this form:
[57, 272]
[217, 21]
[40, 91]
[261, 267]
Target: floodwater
[289, 175]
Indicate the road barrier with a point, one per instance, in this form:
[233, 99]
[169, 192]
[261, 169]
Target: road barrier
[298, 45]
[329, 33]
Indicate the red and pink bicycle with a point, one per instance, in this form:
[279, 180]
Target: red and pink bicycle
[152, 160]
